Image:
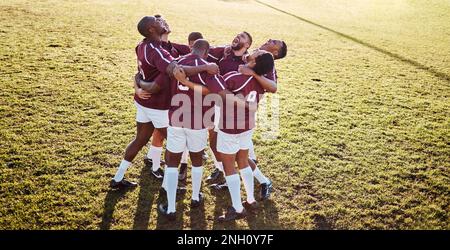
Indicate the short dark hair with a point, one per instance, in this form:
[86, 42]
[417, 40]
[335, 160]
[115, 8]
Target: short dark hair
[200, 45]
[264, 64]
[144, 25]
[195, 36]
[157, 16]
[249, 38]
[283, 50]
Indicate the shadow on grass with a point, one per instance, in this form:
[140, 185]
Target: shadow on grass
[198, 218]
[223, 201]
[111, 200]
[266, 217]
[148, 188]
[403, 59]
[197, 215]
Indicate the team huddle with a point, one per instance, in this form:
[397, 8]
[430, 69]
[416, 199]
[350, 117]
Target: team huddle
[189, 94]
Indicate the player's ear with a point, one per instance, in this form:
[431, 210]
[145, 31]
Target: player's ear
[151, 29]
[275, 54]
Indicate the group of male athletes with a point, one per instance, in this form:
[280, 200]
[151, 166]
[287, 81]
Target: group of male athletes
[189, 93]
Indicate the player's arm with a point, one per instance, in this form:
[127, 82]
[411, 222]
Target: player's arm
[149, 87]
[210, 68]
[140, 92]
[267, 84]
[180, 75]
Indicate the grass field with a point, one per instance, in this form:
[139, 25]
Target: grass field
[364, 113]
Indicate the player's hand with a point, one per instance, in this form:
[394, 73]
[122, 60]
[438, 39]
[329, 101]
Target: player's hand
[179, 74]
[212, 68]
[243, 69]
[142, 94]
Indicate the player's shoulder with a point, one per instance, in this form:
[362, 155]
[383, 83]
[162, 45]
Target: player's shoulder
[184, 60]
[235, 76]
[216, 50]
[201, 61]
[220, 47]
[191, 60]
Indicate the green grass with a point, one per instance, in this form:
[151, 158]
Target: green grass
[364, 119]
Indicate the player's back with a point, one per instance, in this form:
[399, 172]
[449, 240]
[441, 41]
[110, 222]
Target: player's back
[247, 87]
[179, 92]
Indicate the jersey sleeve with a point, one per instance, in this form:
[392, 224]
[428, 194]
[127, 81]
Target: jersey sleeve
[214, 83]
[182, 49]
[216, 53]
[160, 58]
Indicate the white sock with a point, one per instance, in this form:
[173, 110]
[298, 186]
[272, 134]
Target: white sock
[121, 171]
[184, 156]
[154, 153]
[164, 183]
[234, 186]
[259, 176]
[249, 183]
[172, 184]
[251, 152]
[197, 174]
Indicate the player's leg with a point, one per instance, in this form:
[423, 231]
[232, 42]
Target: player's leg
[176, 144]
[245, 142]
[266, 184]
[251, 152]
[143, 134]
[196, 143]
[183, 166]
[153, 158]
[247, 178]
[228, 146]
[216, 176]
[160, 119]
[144, 130]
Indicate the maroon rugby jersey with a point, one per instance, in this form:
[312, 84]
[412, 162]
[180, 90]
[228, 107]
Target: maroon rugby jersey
[248, 87]
[182, 49]
[215, 54]
[226, 63]
[152, 64]
[195, 111]
[231, 63]
[176, 50]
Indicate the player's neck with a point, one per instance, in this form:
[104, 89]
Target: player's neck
[154, 38]
[197, 54]
[165, 38]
